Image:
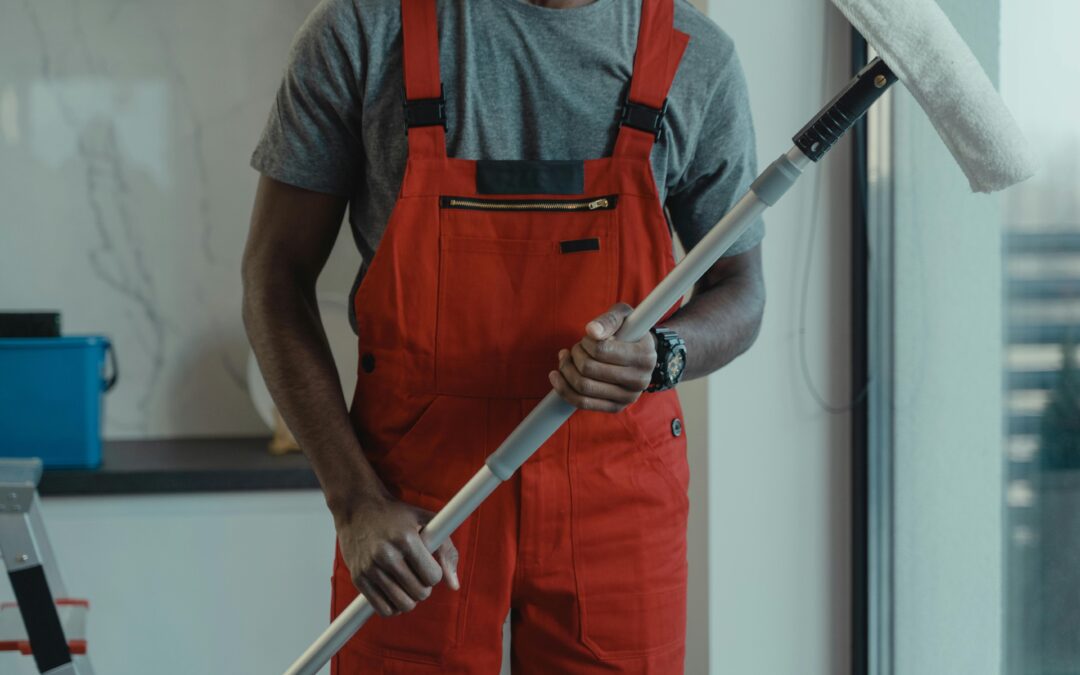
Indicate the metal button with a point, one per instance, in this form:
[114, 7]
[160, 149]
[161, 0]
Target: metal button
[367, 362]
[676, 427]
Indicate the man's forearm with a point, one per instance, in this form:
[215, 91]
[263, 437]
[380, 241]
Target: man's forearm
[722, 318]
[290, 344]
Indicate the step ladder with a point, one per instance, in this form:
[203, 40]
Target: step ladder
[43, 621]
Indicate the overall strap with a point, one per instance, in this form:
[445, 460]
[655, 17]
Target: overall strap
[425, 108]
[659, 49]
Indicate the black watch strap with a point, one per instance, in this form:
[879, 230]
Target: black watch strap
[670, 359]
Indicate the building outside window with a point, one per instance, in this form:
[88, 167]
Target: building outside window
[1040, 64]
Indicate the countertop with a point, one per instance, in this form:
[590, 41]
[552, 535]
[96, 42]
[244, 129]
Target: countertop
[183, 465]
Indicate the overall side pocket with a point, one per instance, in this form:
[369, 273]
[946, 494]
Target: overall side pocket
[629, 538]
[427, 633]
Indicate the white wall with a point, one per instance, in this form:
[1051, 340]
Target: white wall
[778, 466]
[125, 130]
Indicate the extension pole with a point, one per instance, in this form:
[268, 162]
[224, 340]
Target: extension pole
[552, 412]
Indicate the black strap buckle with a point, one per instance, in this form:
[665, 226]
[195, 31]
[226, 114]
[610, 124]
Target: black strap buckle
[644, 118]
[425, 112]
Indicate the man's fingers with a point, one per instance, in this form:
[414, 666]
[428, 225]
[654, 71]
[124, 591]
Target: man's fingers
[390, 589]
[605, 325]
[448, 558]
[425, 567]
[559, 383]
[375, 597]
[402, 572]
[593, 388]
[640, 354]
[632, 379]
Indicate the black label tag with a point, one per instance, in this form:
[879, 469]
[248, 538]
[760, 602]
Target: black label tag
[579, 245]
[527, 177]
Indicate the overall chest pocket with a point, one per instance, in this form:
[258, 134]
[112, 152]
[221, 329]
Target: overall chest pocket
[518, 280]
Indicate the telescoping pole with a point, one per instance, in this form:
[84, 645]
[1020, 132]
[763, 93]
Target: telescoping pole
[811, 143]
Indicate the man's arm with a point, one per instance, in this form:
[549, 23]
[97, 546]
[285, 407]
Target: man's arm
[721, 321]
[723, 317]
[292, 233]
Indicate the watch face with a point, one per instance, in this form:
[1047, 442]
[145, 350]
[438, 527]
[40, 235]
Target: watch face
[675, 366]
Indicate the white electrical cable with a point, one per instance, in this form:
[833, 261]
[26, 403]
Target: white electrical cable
[814, 226]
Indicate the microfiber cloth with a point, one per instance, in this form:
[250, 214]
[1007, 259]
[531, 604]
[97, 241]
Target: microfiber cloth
[923, 48]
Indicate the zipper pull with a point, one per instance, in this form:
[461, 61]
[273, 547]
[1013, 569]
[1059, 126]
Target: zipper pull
[598, 204]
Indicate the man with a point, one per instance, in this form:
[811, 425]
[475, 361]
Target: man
[502, 209]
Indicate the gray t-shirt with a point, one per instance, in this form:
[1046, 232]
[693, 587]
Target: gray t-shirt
[521, 82]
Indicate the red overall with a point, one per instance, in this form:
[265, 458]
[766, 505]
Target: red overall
[461, 316]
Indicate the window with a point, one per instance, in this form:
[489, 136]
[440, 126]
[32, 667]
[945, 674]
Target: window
[1040, 63]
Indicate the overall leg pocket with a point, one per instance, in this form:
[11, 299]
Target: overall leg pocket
[436, 626]
[440, 452]
[424, 466]
[629, 536]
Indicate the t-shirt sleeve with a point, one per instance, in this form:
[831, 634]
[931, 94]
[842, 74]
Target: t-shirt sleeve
[722, 167]
[311, 139]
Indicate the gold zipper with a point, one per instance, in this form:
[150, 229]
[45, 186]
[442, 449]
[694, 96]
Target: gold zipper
[528, 205]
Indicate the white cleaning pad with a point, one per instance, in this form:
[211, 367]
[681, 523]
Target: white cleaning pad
[920, 44]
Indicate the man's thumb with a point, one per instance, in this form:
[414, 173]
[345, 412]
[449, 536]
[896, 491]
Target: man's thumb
[608, 323]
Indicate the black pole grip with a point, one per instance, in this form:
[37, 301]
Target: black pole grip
[844, 111]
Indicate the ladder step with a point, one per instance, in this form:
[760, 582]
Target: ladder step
[72, 613]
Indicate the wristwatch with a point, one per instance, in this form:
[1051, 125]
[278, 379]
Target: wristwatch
[670, 359]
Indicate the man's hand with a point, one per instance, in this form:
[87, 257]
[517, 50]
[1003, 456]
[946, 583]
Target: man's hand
[602, 373]
[381, 546]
